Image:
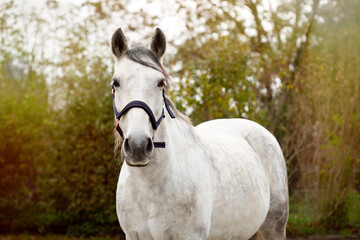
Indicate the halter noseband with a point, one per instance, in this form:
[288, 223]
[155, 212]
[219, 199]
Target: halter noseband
[140, 104]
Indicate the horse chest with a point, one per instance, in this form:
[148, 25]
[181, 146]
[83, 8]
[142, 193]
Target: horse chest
[158, 211]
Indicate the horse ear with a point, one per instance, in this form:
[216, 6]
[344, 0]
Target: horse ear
[158, 43]
[119, 43]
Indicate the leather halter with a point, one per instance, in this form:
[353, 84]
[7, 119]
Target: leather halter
[140, 104]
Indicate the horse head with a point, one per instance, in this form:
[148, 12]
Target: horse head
[138, 85]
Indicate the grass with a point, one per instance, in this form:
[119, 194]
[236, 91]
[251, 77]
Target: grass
[304, 221]
[301, 218]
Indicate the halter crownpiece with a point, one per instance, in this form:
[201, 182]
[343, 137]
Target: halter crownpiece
[140, 104]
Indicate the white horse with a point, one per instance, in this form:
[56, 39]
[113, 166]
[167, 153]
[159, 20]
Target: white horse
[224, 179]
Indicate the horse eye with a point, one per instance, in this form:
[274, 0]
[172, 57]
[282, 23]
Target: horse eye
[115, 83]
[161, 83]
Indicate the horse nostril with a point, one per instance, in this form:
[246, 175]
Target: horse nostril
[149, 147]
[137, 148]
[127, 147]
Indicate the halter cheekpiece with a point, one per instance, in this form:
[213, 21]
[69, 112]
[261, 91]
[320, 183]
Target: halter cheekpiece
[140, 104]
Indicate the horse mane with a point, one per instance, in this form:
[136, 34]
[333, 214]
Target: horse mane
[179, 114]
[147, 58]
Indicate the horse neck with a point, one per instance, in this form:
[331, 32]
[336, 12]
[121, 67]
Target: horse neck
[179, 136]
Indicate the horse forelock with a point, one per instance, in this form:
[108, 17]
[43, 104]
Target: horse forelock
[147, 58]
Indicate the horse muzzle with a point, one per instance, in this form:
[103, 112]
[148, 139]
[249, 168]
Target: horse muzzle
[138, 150]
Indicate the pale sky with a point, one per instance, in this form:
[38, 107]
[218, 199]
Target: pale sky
[171, 22]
